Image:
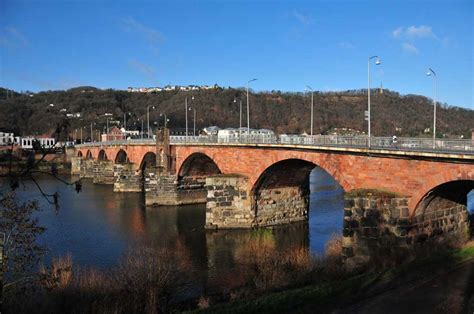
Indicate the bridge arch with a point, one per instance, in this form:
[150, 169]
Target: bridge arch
[435, 181]
[89, 155]
[79, 154]
[283, 187]
[444, 196]
[148, 161]
[102, 155]
[198, 164]
[121, 157]
[444, 211]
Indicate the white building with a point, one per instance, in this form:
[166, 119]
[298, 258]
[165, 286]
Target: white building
[229, 135]
[45, 142]
[6, 138]
[233, 135]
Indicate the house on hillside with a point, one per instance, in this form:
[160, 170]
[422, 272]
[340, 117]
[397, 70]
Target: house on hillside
[114, 134]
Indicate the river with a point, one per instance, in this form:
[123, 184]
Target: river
[97, 225]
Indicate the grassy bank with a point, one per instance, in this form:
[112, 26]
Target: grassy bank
[322, 297]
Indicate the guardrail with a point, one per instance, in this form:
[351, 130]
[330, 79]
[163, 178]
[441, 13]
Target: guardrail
[402, 143]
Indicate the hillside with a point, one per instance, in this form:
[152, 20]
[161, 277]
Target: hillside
[280, 111]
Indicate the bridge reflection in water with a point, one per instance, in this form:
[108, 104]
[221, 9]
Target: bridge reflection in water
[97, 226]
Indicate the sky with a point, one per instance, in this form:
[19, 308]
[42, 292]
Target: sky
[286, 45]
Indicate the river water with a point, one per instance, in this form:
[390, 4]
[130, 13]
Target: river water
[97, 225]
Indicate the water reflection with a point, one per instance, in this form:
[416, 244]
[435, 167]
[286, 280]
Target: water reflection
[98, 225]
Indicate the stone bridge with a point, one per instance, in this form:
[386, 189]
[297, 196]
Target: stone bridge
[394, 200]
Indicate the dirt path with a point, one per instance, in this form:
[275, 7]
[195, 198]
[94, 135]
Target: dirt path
[450, 292]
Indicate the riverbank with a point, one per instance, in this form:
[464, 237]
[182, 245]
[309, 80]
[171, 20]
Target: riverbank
[18, 165]
[384, 291]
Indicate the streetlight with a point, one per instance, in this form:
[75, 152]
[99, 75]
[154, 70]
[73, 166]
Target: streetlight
[166, 119]
[194, 121]
[108, 127]
[312, 111]
[125, 119]
[377, 62]
[433, 73]
[240, 117]
[186, 110]
[248, 115]
[148, 119]
[92, 133]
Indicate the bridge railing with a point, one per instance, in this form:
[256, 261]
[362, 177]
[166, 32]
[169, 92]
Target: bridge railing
[402, 143]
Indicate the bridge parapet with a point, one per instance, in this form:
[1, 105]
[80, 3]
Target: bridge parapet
[461, 147]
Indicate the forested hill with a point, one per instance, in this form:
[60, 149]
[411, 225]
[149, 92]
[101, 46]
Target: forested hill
[392, 113]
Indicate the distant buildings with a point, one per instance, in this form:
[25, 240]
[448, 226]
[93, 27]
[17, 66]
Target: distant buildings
[171, 88]
[114, 134]
[6, 138]
[26, 142]
[232, 135]
[44, 141]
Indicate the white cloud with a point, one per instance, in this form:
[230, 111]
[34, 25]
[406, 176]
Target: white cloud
[145, 69]
[407, 47]
[414, 32]
[152, 36]
[304, 19]
[12, 38]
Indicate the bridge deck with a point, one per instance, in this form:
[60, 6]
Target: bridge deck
[423, 148]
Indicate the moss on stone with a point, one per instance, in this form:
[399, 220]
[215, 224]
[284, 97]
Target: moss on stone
[372, 193]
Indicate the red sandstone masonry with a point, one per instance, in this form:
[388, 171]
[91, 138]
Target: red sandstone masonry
[410, 177]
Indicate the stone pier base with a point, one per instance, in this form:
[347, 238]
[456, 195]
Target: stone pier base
[127, 178]
[165, 189]
[228, 203]
[278, 206]
[87, 169]
[378, 230]
[104, 172]
[76, 163]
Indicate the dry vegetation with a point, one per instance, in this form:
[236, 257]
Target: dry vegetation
[146, 281]
[159, 281]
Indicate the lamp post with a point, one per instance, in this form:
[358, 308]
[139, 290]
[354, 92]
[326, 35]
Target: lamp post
[186, 110]
[248, 111]
[433, 74]
[240, 117]
[92, 132]
[148, 119]
[194, 120]
[312, 110]
[377, 62]
[125, 119]
[166, 120]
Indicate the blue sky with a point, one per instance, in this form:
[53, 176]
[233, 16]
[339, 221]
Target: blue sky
[285, 44]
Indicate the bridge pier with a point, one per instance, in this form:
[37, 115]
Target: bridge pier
[379, 229]
[168, 189]
[103, 172]
[87, 168]
[128, 178]
[228, 202]
[76, 163]
[231, 203]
